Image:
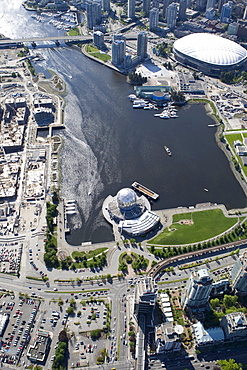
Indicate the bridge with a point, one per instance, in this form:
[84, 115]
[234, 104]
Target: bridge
[35, 40]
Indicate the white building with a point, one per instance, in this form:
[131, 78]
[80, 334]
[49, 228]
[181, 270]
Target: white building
[153, 19]
[234, 325]
[207, 336]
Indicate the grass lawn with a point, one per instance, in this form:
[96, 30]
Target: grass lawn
[233, 137]
[74, 32]
[245, 134]
[91, 49]
[206, 224]
[90, 254]
[103, 57]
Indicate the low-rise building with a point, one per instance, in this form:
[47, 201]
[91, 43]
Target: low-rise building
[39, 349]
[207, 336]
[234, 325]
[166, 338]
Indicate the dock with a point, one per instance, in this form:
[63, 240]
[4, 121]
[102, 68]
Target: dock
[144, 190]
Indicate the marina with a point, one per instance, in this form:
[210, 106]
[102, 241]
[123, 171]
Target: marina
[144, 190]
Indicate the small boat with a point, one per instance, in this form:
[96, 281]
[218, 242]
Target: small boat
[205, 189]
[164, 116]
[167, 150]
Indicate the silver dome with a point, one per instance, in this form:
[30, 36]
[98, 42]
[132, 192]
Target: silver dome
[126, 199]
[211, 49]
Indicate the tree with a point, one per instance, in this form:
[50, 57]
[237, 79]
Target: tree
[62, 337]
[229, 364]
[230, 301]
[95, 334]
[215, 303]
[70, 310]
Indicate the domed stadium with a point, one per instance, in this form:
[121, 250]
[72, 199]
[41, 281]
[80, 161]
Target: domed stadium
[208, 53]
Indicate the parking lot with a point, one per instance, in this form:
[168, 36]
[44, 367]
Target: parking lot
[10, 257]
[21, 313]
[90, 314]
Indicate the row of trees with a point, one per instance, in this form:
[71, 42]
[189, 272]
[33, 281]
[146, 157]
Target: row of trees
[50, 256]
[60, 360]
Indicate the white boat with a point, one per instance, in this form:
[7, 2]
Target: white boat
[132, 97]
[164, 116]
[157, 114]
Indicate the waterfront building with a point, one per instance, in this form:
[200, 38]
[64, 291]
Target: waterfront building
[226, 12]
[197, 290]
[182, 10]
[201, 5]
[153, 19]
[98, 39]
[144, 297]
[106, 6]
[207, 336]
[146, 7]
[118, 52]
[171, 15]
[210, 4]
[128, 213]
[93, 13]
[131, 8]
[234, 325]
[142, 43]
[166, 3]
[239, 275]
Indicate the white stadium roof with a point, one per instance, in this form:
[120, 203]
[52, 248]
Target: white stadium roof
[211, 49]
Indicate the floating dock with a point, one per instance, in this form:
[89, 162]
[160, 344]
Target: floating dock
[142, 189]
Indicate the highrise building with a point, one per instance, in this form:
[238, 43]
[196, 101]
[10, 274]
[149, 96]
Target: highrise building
[118, 52]
[98, 39]
[220, 4]
[131, 8]
[153, 19]
[245, 14]
[146, 7]
[166, 3]
[171, 15]
[226, 12]
[210, 4]
[118, 48]
[197, 290]
[201, 5]
[156, 4]
[239, 274]
[106, 6]
[210, 14]
[182, 10]
[93, 13]
[142, 43]
[145, 297]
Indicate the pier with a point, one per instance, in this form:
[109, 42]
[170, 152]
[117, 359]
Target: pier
[144, 190]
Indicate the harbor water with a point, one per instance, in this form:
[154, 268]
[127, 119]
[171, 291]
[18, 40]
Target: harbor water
[109, 145]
